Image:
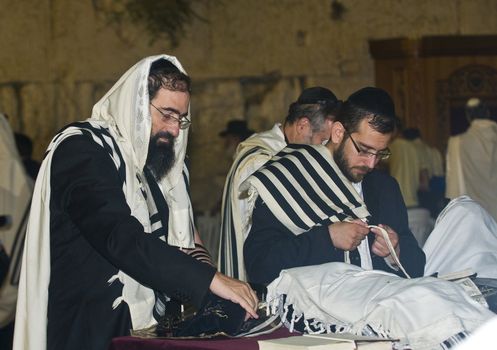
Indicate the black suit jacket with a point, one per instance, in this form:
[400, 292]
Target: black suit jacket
[93, 235]
[270, 247]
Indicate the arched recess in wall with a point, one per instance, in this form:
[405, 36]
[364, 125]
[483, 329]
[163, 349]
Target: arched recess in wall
[472, 80]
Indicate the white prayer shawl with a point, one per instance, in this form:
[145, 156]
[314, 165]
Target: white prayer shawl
[125, 112]
[472, 164]
[405, 166]
[16, 188]
[251, 154]
[482, 338]
[422, 312]
[464, 237]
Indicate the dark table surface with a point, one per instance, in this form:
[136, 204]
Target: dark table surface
[245, 343]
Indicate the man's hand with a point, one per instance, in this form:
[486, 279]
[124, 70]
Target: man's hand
[348, 235]
[380, 246]
[236, 291]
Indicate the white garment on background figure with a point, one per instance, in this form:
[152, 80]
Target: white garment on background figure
[404, 166]
[465, 236]
[251, 155]
[472, 164]
[16, 188]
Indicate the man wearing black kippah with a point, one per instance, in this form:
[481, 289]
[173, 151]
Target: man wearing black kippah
[293, 222]
[308, 121]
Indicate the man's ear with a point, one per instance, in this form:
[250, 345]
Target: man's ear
[301, 125]
[337, 133]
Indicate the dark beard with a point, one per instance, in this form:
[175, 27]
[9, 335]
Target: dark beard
[161, 155]
[339, 157]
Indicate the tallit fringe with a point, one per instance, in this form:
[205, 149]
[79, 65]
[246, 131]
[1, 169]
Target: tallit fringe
[316, 326]
[251, 199]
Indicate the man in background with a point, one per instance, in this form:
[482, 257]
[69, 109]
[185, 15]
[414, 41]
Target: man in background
[308, 121]
[236, 131]
[472, 159]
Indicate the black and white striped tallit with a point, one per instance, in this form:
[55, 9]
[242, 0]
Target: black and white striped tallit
[303, 187]
[236, 220]
[125, 112]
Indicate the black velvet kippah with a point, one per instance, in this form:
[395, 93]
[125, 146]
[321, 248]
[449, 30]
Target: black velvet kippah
[316, 94]
[374, 100]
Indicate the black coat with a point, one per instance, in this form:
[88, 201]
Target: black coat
[92, 236]
[270, 247]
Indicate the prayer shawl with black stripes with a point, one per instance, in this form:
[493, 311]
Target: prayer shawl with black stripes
[251, 154]
[303, 187]
[121, 124]
[16, 188]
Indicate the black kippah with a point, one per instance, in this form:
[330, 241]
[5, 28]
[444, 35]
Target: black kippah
[316, 94]
[374, 100]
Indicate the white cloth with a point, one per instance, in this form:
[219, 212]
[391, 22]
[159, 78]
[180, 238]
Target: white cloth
[363, 248]
[124, 110]
[465, 236]
[421, 312]
[425, 156]
[482, 338]
[251, 155]
[472, 165]
[437, 164]
[405, 166]
[420, 223]
[15, 195]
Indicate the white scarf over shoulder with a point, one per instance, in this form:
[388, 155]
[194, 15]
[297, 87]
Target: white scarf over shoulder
[464, 237]
[251, 154]
[124, 111]
[16, 188]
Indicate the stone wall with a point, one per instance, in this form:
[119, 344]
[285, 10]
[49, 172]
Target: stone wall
[249, 58]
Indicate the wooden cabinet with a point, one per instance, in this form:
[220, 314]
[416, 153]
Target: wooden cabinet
[431, 78]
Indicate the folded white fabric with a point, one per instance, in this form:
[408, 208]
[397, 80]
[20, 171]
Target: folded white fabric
[422, 312]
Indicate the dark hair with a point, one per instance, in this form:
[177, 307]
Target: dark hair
[164, 74]
[317, 113]
[411, 134]
[372, 103]
[24, 145]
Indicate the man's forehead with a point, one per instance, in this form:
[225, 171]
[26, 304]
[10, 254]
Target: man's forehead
[368, 136]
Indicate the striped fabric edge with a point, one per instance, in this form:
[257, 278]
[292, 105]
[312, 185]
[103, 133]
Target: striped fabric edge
[228, 252]
[303, 187]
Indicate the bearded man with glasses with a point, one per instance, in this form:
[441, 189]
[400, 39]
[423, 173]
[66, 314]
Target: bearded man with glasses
[312, 202]
[111, 245]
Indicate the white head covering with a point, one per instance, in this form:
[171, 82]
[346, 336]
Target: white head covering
[124, 110]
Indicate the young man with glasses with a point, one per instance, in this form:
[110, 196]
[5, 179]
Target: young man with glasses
[311, 200]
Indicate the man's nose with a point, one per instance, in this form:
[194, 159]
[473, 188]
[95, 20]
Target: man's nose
[372, 161]
[173, 129]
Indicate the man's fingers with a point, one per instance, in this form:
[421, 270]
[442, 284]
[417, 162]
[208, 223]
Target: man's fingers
[248, 306]
[236, 291]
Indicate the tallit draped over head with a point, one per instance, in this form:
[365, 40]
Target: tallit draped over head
[124, 113]
[125, 110]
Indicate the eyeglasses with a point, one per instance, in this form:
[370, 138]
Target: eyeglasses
[172, 117]
[365, 153]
